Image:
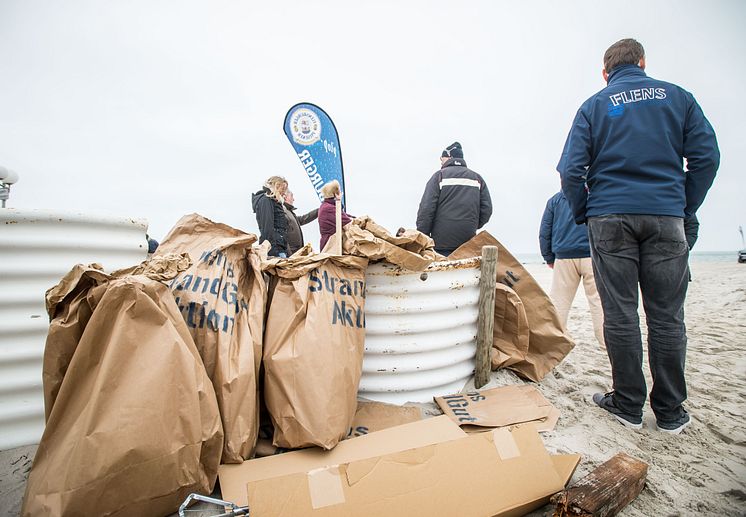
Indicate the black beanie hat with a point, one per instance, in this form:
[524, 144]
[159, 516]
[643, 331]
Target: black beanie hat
[453, 151]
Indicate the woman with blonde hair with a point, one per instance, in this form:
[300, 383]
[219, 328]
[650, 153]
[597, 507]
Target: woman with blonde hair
[327, 212]
[270, 216]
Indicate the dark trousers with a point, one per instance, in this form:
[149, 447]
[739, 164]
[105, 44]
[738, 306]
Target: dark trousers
[649, 251]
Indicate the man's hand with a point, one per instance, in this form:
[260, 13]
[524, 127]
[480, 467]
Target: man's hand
[551, 265]
[691, 230]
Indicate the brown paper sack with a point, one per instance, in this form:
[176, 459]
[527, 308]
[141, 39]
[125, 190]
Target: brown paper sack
[370, 417]
[313, 348]
[411, 249]
[221, 298]
[510, 332]
[135, 426]
[69, 312]
[548, 342]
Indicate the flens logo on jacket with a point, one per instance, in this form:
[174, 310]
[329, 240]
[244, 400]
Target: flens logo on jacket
[305, 126]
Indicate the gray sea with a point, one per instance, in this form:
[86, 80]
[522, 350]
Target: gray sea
[695, 256]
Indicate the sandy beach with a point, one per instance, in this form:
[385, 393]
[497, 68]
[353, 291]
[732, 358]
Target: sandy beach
[703, 470]
[700, 472]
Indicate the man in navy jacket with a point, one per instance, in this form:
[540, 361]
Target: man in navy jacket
[564, 246]
[622, 172]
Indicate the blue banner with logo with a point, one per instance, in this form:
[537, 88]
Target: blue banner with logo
[314, 137]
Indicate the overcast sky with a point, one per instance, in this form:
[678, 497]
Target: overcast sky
[157, 109]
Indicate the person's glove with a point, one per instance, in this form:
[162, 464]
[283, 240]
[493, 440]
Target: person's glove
[691, 230]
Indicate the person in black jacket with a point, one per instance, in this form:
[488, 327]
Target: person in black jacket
[295, 234]
[270, 215]
[455, 204]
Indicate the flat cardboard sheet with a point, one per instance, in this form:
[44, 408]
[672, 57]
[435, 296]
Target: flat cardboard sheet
[492, 473]
[565, 465]
[500, 407]
[233, 478]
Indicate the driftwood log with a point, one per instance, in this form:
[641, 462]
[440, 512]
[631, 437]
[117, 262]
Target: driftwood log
[605, 491]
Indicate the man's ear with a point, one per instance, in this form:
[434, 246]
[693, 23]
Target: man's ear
[641, 64]
[605, 75]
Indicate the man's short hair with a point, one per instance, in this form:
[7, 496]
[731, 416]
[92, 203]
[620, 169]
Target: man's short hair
[624, 52]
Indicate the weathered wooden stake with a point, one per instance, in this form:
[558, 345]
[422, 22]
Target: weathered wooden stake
[486, 321]
[605, 491]
[338, 216]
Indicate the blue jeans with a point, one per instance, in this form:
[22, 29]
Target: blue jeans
[650, 251]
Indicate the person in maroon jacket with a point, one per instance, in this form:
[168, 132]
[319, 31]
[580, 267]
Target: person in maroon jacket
[327, 212]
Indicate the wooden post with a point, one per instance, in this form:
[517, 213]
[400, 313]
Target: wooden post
[486, 319]
[605, 491]
[338, 215]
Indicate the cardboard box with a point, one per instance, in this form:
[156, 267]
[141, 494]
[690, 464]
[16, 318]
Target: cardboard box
[233, 478]
[501, 472]
[565, 465]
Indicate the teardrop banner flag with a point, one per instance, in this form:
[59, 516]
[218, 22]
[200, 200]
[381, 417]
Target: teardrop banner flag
[314, 137]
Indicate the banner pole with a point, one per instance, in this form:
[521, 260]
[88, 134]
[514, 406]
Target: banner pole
[338, 216]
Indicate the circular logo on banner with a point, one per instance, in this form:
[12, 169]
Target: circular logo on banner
[305, 126]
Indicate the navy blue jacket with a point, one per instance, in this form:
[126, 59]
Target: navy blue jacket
[559, 236]
[626, 146]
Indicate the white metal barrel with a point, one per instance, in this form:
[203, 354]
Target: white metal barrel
[38, 247]
[420, 330]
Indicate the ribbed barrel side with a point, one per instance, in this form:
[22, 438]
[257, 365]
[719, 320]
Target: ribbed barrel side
[420, 330]
[37, 248]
